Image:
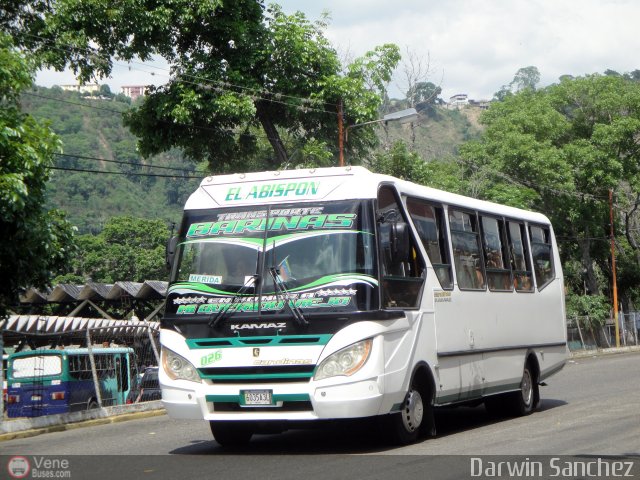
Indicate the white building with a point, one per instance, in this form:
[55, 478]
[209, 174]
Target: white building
[133, 91]
[82, 88]
[458, 100]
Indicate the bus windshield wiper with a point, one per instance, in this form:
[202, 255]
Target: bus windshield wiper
[237, 298]
[280, 288]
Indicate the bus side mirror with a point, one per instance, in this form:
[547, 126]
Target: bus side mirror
[400, 246]
[170, 251]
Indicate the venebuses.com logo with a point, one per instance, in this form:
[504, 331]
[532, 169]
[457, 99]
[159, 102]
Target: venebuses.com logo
[18, 467]
[38, 467]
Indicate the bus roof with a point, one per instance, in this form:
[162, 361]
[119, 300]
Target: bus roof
[327, 184]
[71, 351]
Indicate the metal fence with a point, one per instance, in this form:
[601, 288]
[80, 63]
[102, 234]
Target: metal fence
[82, 370]
[582, 336]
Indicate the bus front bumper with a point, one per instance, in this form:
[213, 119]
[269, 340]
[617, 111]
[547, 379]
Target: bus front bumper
[292, 401]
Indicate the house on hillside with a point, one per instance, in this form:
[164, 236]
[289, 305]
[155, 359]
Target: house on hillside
[133, 91]
[458, 100]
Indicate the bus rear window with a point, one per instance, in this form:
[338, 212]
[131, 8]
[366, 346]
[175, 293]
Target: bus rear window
[37, 366]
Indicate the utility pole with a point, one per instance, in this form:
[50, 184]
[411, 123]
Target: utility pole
[613, 270]
[341, 133]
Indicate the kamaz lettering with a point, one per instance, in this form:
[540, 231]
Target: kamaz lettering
[257, 326]
[306, 222]
[273, 190]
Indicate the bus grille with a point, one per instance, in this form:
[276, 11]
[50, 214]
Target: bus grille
[286, 407]
[279, 374]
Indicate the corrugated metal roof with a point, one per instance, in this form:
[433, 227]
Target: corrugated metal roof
[44, 324]
[67, 293]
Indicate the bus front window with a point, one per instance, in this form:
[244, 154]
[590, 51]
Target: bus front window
[323, 254]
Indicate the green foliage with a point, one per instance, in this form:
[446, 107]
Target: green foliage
[237, 68]
[91, 130]
[34, 242]
[559, 150]
[401, 163]
[526, 78]
[594, 307]
[128, 248]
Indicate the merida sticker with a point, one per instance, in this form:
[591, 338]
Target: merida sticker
[212, 279]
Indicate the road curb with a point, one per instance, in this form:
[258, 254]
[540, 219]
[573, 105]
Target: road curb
[86, 423]
[603, 351]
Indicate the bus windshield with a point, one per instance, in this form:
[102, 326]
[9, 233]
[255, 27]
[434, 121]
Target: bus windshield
[317, 257]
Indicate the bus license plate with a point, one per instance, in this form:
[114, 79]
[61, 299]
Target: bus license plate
[258, 397]
[36, 398]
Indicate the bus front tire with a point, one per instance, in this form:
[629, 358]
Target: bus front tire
[92, 405]
[231, 434]
[415, 418]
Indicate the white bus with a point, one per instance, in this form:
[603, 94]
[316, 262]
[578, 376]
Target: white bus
[337, 293]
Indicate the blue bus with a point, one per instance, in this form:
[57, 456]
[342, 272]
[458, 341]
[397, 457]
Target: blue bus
[46, 382]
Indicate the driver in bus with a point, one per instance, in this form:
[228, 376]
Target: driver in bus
[241, 263]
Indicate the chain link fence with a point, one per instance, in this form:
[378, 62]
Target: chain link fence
[582, 334]
[81, 370]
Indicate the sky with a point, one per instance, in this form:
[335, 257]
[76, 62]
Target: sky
[471, 46]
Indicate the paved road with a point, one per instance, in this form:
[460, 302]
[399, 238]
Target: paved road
[590, 408]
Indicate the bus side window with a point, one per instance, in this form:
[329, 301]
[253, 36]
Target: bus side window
[520, 263]
[465, 239]
[496, 254]
[401, 264]
[541, 253]
[429, 222]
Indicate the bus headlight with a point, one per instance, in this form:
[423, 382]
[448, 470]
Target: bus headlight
[345, 362]
[178, 367]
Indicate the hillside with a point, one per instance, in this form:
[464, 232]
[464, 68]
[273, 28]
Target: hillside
[96, 142]
[439, 133]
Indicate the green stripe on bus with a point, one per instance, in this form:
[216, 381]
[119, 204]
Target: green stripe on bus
[252, 376]
[265, 341]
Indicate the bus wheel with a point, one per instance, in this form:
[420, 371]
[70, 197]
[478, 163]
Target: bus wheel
[231, 434]
[406, 426]
[92, 405]
[524, 401]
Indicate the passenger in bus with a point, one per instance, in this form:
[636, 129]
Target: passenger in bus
[241, 263]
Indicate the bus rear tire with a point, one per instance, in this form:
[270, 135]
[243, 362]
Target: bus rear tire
[92, 405]
[524, 401]
[231, 434]
[519, 403]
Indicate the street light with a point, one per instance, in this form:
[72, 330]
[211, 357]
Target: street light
[403, 116]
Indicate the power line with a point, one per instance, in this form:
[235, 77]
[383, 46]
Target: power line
[134, 174]
[80, 104]
[120, 162]
[185, 125]
[211, 84]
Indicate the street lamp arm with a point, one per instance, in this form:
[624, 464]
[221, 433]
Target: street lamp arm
[402, 116]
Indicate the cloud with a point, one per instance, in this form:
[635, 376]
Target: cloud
[475, 46]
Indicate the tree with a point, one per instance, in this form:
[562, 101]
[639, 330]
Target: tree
[34, 243]
[127, 249]
[525, 78]
[400, 162]
[559, 150]
[236, 69]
